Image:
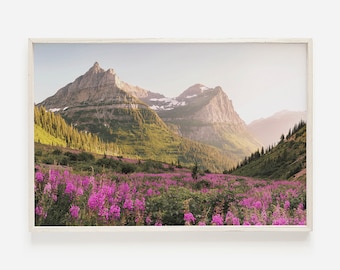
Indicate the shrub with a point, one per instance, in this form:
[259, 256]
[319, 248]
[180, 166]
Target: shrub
[57, 152]
[84, 156]
[128, 168]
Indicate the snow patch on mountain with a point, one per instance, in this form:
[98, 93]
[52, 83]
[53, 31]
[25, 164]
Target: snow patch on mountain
[54, 110]
[165, 103]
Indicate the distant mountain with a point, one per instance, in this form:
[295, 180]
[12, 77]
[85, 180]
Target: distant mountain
[100, 103]
[206, 115]
[269, 130]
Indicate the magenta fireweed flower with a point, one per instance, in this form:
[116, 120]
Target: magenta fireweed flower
[86, 181]
[104, 212]
[257, 205]
[149, 192]
[138, 219]
[277, 212]
[148, 220]
[114, 211]
[53, 175]
[189, 218]
[280, 221]
[69, 188]
[74, 211]
[54, 197]
[54, 178]
[300, 206]
[236, 221]
[96, 201]
[286, 205]
[39, 177]
[79, 191]
[301, 222]
[47, 188]
[123, 189]
[229, 218]
[246, 223]
[140, 204]
[254, 219]
[128, 204]
[66, 174]
[158, 223]
[217, 220]
[39, 210]
[107, 190]
[266, 198]
[247, 202]
[201, 223]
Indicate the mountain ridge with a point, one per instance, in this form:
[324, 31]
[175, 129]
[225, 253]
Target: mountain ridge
[100, 103]
[96, 102]
[207, 115]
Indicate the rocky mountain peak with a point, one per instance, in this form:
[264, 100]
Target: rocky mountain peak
[192, 91]
[219, 109]
[111, 71]
[93, 87]
[95, 68]
[219, 89]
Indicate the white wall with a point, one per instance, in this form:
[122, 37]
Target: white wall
[21, 20]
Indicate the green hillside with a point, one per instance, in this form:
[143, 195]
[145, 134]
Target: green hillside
[51, 129]
[43, 137]
[286, 160]
[135, 135]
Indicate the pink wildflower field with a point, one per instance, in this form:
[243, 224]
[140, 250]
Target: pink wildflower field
[66, 199]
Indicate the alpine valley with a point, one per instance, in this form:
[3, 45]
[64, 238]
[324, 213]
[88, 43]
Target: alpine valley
[199, 126]
[107, 153]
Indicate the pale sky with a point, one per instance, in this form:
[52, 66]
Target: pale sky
[260, 78]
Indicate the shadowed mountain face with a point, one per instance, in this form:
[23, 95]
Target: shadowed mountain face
[149, 124]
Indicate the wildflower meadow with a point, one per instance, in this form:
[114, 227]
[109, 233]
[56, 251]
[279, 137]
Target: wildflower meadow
[63, 198]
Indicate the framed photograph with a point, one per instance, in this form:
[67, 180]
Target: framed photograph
[170, 135]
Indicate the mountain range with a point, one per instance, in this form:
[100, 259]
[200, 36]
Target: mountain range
[198, 123]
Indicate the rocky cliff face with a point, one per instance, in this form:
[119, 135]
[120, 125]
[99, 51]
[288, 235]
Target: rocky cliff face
[207, 115]
[219, 109]
[198, 102]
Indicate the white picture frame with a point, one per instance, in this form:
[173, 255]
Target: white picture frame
[307, 90]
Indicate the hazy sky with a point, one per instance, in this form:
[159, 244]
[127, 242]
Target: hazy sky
[260, 78]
